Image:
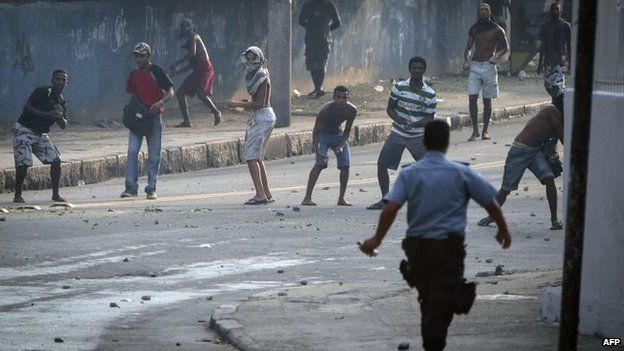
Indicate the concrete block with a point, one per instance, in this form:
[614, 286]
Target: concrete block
[551, 304]
[371, 133]
[500, 114]
[277, 147]
[2, 182]
[122, 159]
[38, 177]
[174, 159]
[299, 143]
[9, 180]
[241, 149]
[71, 173]
[222, 153]
[533, 108]
[92, 170]
[113, 168]
[515, 111]
[194, 157]
[165, 167]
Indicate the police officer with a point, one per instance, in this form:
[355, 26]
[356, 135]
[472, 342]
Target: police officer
[437, 193]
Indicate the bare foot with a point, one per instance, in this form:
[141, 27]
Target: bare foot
[474, 136]
[217, 118]
[185, 124]
[58, 198]
[556, 225]
[485, 136]
[344, 202]
[485, 221]
[306, 202]
[18, 199]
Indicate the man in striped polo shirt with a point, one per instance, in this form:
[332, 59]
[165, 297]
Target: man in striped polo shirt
[411, 105]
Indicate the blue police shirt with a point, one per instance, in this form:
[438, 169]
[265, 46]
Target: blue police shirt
[437, 192]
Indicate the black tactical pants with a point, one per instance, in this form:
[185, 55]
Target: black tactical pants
[438, 268]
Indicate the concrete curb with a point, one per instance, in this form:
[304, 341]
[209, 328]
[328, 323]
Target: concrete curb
[216, 154]
[227, 327]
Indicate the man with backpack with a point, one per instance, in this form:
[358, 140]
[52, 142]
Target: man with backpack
[151, 88]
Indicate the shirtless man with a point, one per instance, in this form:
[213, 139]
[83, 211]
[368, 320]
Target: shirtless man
[327, 135]
[526, 152]
[490, 44]
[261, 122]
[200, 81]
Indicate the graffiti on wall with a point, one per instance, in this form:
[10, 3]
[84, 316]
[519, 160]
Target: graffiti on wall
[85, 40]
[120, 32]
[154, 31]
[23, 56]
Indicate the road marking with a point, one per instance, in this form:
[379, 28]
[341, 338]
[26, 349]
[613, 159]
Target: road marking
[505, 297]
[30, 271]
[182, 198]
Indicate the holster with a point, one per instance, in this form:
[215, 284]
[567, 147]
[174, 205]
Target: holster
[414, 270]
[464, 296]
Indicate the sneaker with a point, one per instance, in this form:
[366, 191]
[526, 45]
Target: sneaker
[151, 195]
[128, 193]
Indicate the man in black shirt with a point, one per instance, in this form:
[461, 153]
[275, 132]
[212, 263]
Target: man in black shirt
[44, 107]
[319, 17]
[555, 48]
[327, 135]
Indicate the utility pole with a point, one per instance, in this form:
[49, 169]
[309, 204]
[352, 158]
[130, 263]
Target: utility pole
[279, 55]
[577, 187]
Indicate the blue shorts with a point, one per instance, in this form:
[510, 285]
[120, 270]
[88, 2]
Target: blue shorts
[521, 157]
[332, 141]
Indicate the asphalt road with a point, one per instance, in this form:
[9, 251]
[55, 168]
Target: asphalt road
[197, 247]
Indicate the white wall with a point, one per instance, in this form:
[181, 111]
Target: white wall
[602, 285]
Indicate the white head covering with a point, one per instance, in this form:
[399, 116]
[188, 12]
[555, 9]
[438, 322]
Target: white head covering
[256, 73]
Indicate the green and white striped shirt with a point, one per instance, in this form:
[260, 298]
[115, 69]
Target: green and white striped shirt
[412, 106]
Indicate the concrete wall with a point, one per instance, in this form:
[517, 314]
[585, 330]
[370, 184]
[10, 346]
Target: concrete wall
[378, 37]
[93, 40]
[602, 289]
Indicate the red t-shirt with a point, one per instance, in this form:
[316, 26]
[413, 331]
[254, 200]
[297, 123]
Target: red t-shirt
[148, 84]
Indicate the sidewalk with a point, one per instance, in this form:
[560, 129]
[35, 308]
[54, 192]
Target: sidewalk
[95, 151]
[380, 316]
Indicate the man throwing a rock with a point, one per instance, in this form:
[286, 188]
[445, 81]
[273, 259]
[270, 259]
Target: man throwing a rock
[527, 152]
[44, 107]
[200, 81]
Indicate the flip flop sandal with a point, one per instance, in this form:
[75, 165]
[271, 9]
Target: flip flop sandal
[270, 200]
[376, 206]
[253, 201]
[557, 226]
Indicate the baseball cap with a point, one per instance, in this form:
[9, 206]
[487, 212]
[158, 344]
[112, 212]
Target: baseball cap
[142, 49]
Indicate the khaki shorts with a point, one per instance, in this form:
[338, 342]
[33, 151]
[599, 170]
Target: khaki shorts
[26, 143]
[483, 76]
[260, 127]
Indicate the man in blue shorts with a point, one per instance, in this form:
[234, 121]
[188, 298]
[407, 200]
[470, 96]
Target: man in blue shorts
[327, 135]
[527, 152]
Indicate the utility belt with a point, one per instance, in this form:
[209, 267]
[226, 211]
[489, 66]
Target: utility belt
[415, 269]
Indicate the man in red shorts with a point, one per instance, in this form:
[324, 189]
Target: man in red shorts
[200, 81]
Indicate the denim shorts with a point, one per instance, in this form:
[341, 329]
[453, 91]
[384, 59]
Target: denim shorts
[521, 157]
[332, 141]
